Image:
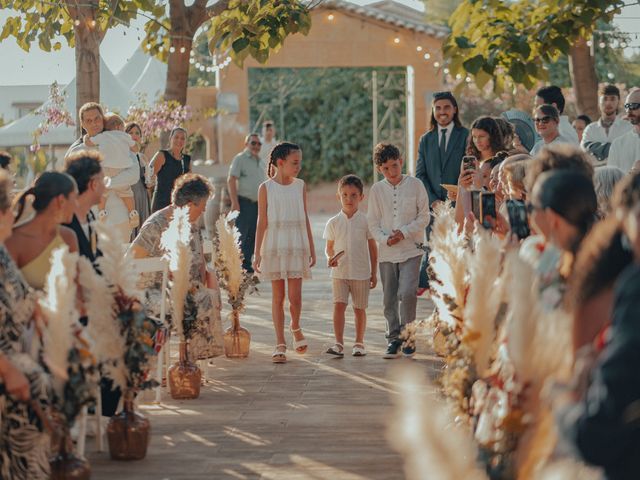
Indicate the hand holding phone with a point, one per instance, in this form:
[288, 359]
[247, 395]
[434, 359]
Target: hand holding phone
[518, 219]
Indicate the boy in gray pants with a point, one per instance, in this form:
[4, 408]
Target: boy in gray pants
[398, 214]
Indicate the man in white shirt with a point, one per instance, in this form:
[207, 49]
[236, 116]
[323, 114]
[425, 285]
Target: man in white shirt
[625, 150]
[598, 136]
[268, 140]
[546, 119]
[398, 214]
[552, 95]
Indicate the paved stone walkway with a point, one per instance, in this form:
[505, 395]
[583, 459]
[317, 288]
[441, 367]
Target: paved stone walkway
[317, 417]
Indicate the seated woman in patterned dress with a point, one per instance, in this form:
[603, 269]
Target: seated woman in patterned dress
[24, 446]
[193, 191]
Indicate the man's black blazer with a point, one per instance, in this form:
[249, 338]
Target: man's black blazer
[432, 169]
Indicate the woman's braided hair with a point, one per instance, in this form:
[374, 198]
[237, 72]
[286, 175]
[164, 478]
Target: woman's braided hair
[280, 152]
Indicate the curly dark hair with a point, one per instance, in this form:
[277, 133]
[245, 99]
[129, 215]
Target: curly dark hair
[190, 187]
[489, 125]
[384, 152]
[83, 166]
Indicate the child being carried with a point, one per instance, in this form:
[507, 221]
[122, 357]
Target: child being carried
[116, 146]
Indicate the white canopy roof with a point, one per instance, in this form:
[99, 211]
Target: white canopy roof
[149, 77]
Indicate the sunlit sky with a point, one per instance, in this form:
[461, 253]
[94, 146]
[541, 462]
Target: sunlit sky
[38, 67]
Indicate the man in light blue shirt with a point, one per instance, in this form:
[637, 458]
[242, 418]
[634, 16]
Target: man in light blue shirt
[246, 173]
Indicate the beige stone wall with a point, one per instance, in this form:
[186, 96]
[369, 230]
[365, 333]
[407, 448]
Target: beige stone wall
[346, 41]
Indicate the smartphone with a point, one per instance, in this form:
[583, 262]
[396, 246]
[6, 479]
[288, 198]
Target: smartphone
[487, 208]
[475, 203]
[518, 220]
[483, 204]
[469, 163]
[337, 256]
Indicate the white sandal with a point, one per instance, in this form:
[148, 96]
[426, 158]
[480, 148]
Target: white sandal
[359, 350]
[337, 349]
[279, 356]
[300, 346]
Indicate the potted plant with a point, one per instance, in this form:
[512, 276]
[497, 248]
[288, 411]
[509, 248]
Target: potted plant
[124, 341]
[184, 376]
[237, 282]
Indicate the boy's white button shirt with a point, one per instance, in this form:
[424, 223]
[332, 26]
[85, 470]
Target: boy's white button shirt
[350, 235]
[403, 207]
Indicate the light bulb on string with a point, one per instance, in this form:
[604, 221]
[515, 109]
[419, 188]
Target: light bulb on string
[172, 49]
[192, 61]
[160, 48]
[468, 79]
[427, 56]
[419, 48]
[77, 23]
[92, 23]
[182, 49]
[330, 17]
[602, 44]
[396, 40]
[610, 76]
[446, 71]
[458, 76]
[436, 64]
[589, 43]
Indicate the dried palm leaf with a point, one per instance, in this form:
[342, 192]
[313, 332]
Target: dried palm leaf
[483, 302]
[434, 447]
[176, 242]
[59, 306]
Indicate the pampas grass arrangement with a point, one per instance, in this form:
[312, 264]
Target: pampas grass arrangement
[447, 264]
[59, 306]
[233, 278]
[66, 352]
[422, 429]
[483, 300]
[176, 242]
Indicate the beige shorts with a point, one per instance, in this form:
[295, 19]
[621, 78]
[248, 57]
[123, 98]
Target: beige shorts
[359, 292]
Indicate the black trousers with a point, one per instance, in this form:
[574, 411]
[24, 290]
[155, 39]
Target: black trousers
[246, 223]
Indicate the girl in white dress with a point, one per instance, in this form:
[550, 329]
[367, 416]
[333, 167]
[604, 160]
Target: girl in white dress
[284, 245]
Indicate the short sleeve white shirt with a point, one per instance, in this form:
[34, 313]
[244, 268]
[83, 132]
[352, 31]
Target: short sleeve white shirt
[625, 151]
[351, 235]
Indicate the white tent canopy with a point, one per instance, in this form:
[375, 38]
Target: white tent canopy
[149, 76]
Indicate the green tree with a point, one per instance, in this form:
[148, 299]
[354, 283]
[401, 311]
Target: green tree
[82, 25]
[506, 41]
[241, 27]
[440, 11]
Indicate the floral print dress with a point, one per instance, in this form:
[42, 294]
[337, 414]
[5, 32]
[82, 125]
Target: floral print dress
[205, 340]
[24, 446]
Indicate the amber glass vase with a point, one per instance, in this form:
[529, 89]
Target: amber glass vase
[184, 376]
[65, 465]
[128, 432]
[237, 339]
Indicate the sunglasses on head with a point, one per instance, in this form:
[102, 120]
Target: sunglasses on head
[543, 120]
[254, 143]
[632, 106]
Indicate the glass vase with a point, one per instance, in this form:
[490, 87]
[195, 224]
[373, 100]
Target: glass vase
[184, 377]
[128, 432]
[64, 463]
[237, 340]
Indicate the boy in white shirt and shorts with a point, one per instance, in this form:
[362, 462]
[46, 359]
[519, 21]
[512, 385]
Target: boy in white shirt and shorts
[352, 255]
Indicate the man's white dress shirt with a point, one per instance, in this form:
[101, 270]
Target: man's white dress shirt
[625, 151]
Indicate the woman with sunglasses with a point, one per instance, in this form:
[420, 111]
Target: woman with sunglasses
[562, 208]
[167, 166]
[547, 121]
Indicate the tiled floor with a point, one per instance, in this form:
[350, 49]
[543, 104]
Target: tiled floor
[317, 417]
